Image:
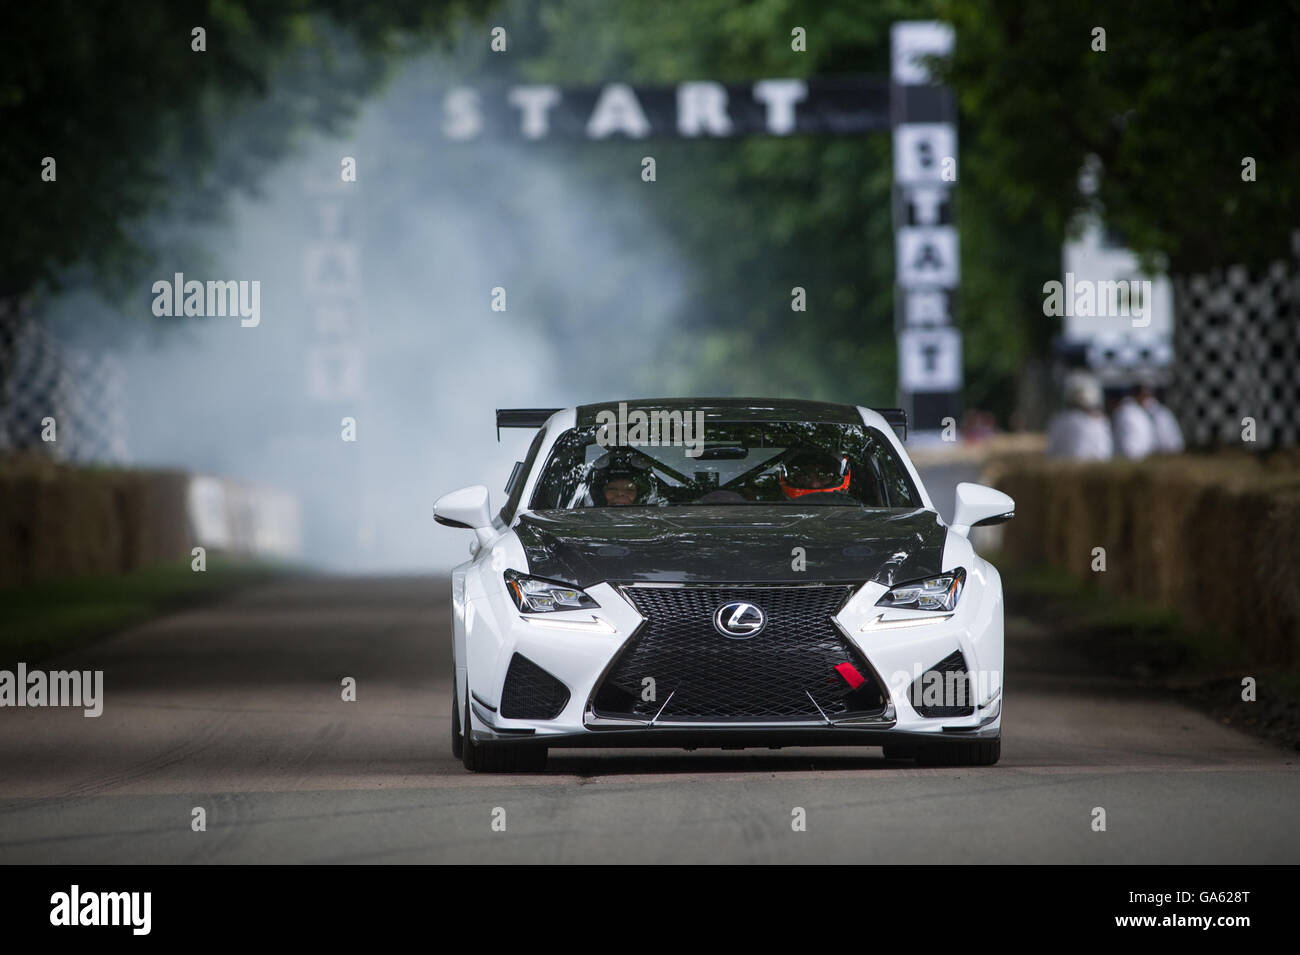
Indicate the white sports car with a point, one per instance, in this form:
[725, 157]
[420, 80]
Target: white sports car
[722, 573]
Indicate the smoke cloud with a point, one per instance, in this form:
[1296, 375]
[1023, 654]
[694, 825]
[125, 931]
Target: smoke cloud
[376, 306]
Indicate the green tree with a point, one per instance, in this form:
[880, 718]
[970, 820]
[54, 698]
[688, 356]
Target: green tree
[1182, 93]
[138, 121]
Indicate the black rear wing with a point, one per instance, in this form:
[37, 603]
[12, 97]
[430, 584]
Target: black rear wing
[522, 418]
[896, 418]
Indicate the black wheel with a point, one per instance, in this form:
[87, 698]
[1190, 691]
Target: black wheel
[975, 752]
[899, 752]
[457, 741]
[468, 748]
[499, 757]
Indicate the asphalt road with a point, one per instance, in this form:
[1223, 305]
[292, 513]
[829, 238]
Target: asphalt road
[237, 709]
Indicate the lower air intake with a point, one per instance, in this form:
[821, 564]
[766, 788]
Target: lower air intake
[531, 693]
[944, 690]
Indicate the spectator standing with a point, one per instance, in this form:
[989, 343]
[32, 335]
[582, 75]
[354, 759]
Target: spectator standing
[1081, 430]
[1144, 426]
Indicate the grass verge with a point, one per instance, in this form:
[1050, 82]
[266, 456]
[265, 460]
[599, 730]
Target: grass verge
[1127, 637]
[60, 615]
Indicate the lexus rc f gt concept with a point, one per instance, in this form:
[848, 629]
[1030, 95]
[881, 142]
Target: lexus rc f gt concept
[722, 573]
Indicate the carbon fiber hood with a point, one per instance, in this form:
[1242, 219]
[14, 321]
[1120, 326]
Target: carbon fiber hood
[732, 543]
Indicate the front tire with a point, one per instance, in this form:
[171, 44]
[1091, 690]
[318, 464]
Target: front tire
[457, 740]
[975, 752]
[499, 757]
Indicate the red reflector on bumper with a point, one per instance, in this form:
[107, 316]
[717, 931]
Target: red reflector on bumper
[851, 675]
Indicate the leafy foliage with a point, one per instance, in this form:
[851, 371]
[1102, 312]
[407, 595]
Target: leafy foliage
[1183, 92]
[133, 115]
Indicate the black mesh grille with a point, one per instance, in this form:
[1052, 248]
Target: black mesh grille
[531, 693]
[711, 678]
[945, 693]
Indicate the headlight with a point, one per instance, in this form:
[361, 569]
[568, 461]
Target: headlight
[932, 593]
[532, 595]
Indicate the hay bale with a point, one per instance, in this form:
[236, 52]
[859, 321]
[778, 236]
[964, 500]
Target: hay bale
[66, 521]
[1214, 538]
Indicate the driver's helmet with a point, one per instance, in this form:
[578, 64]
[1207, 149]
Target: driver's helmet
[814, 471]
[621, 466]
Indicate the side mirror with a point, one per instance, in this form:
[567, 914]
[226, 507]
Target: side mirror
[980, 506]
[467, 508]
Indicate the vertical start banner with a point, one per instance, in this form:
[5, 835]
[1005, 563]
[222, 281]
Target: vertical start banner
[923, 116]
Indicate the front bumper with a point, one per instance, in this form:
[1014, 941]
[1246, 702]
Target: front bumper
[579, 647]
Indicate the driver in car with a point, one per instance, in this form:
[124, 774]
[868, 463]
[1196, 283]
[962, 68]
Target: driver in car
[813, 471]
[620, 491]
[618, 479]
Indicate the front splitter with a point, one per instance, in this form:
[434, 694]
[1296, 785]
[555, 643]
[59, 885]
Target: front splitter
[676, 737]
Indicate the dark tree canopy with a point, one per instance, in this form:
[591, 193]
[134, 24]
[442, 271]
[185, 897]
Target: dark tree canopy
[1183, 93]
[117, 96]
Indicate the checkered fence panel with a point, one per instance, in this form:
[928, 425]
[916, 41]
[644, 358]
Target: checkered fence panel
[1237, 355]
[82, 390]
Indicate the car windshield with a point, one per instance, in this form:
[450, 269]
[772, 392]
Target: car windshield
[780, 462]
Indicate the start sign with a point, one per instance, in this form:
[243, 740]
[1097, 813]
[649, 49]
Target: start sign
[926, 243]
[776, 107]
